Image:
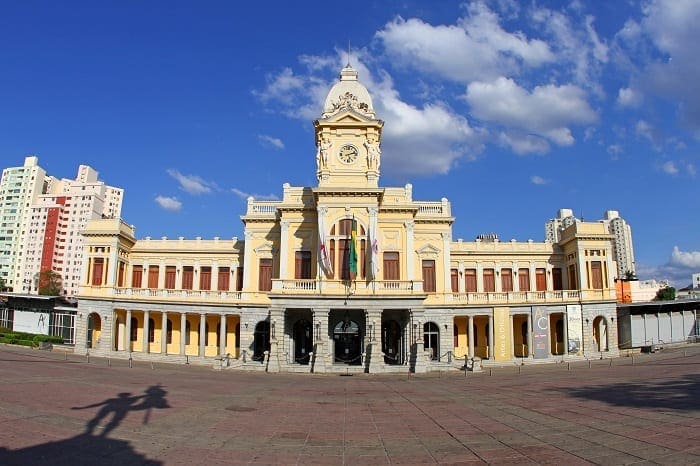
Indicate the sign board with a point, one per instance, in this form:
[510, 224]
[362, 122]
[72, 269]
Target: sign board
[540, 332]
[501, 334]
[31, 322]
[574, 324]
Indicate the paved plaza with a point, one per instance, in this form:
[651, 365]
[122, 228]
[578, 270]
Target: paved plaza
[58, 408]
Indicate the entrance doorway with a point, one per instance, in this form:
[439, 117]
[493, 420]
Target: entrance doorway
[303, 341]
[348, 342]
[261, 340]
[94, 328]
[391, 342]
[431, 339]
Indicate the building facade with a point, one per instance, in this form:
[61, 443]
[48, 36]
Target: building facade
[19, 188]
[347, 276]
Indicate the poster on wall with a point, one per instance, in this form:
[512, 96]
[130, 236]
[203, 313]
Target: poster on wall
[540, 332]
[574, 323]
[31, 322]
[501, 333]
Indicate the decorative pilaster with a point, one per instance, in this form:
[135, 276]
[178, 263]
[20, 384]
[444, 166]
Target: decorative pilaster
[127, 334]
[284, 248]
[202, 334]
[222, 335]
[447, 279]
[410, 253]
[248, 260]
[320, 329]
[146, 346]
[373, 347]
[183, 333]
[276, 336]
[164, 333]
[470, 330]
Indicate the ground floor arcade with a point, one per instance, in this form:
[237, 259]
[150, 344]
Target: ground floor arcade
[327, 336]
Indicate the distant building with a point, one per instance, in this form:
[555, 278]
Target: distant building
[623, 250]
[19, 188]
[42, 218]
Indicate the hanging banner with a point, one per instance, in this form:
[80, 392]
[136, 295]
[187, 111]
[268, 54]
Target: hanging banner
[574, 323]
[540, 332]
[501, 334]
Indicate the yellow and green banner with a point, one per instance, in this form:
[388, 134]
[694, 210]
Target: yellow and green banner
[353, 250]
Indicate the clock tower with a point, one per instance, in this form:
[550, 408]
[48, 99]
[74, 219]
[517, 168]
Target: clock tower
[348, 136]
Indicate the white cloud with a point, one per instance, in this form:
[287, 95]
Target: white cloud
[645, 130]
[628, 97]
[691, 169]
[269, 141]
[670, 168]
[476, 47]
[260, 197]
[690, 259]
[281, 87]
[535, 179]
[547, 111]
[192, 184]
[169, 203]
[523, 144]
[615, 149]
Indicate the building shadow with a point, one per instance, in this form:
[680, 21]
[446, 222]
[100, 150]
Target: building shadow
[682, 393]
[93, 446]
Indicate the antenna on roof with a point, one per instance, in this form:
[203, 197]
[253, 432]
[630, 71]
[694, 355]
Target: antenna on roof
[348, 53]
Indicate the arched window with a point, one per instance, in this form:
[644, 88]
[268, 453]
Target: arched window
[431, 339]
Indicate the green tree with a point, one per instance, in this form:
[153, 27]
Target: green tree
[2, 284]
[666, 294]
[49, 283]
[630, 275]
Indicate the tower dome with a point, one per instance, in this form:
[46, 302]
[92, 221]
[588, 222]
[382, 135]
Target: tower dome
[348, 93]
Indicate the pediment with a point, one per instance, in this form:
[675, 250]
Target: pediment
[265, 250]
[347, 116]
[428, 251]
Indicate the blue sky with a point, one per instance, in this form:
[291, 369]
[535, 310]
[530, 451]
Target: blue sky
[511, 110]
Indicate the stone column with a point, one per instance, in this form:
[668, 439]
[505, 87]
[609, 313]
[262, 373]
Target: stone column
[222, 335]
[202, 336]
[127, 334]
[373, 344]
[183, 332]
[146, 345]
[447, 285]
[491, 355]
[164, 333]
[470, 330]
[320, 329]
[276, 337]
[161, 275]
[421, 362]
[565, 337]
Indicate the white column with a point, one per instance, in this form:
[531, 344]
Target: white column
[284, 248]
[183, 332]
[470, 330]
[111, 278]
[410, 253]
[529, 335]
[127, 334]
[161, 275]
[215, 275]
[202, 329]
[248, 258]
[565, 337]
[222, 335]
[146, 330]
[446, 239]
[164, 333]
[491, 355]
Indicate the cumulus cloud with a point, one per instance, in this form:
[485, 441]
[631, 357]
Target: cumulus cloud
[689, 259]
[474, 48]
[669, 168]
[169, 203]
[547, 111]
[628, 97]
[645, 130]
[260, 197]
[192, 184]
[535, 179]
[678, 270]
[269, 141]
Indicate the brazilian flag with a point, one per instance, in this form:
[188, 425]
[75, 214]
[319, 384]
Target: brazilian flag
[353, 250]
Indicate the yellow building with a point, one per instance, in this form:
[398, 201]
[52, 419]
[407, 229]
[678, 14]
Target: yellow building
[347, 275]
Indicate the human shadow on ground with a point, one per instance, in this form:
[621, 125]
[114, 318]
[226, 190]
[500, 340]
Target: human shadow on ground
[93, 446]
[682, 393]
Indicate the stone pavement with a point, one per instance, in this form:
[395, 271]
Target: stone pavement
[61, 409]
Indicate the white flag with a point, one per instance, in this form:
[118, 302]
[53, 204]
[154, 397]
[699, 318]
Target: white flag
[323, 258]
[374, 248]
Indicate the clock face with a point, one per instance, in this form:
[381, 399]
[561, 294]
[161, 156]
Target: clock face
[347, 153]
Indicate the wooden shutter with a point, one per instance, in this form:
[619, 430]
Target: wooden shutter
[540, 280]
[187, 277]
[205, 278]
[222, 281]
[265, 275]
[153, 276]
[506, 280]
[524, 279]
[557, 282]
[596, 275]
[170, 275]
[428, 276]
[454, 280]
[489, 281]
[97, 270]
[391, 266]
[470, 280]
[136, 276]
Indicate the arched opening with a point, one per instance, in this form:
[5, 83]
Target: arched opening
[556, 343]
[261, 340]
[431, 339]
[348, 342]
[94, 328]
[600, 333]
[303, 341]
[391, 342]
